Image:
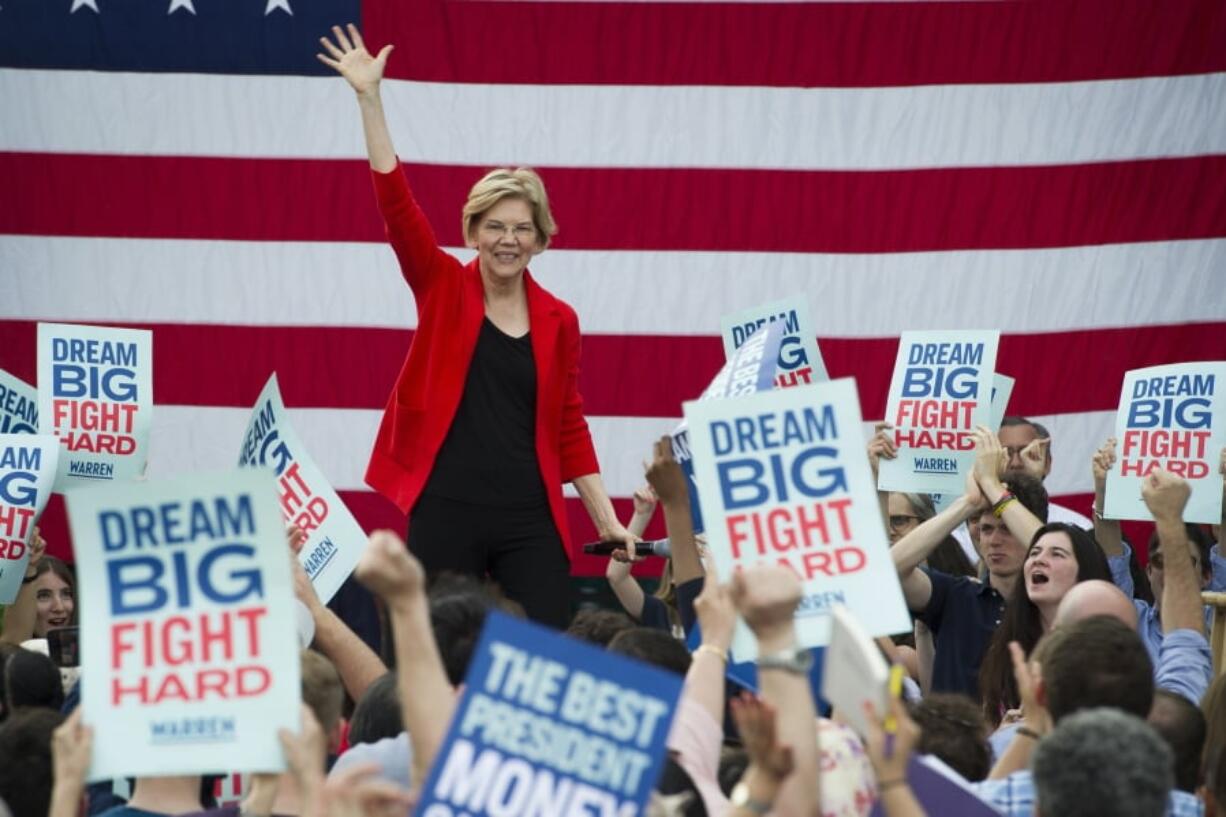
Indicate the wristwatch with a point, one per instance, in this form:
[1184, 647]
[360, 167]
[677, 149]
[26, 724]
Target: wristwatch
[798, 662]
[741, 798]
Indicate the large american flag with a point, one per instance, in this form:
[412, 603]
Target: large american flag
[1055, 170]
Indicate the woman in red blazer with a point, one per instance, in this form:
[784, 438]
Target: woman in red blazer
[485, 421]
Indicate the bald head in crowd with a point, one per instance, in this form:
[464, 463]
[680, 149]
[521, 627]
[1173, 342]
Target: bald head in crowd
[1095, 597]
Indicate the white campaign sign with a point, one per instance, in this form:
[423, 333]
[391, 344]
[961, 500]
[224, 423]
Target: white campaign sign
[784, 479]
[334, 538]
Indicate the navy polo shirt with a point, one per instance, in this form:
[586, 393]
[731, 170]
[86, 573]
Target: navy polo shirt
[962, 614]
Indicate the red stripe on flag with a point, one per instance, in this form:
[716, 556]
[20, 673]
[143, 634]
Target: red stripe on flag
[208, 365]
[643, 209]
[797, 44]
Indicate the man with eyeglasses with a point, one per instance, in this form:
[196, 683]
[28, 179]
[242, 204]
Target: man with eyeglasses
[1027, 444]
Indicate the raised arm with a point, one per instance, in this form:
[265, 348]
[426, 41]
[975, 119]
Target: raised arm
[349, 58]
[990, 461]
[357, 663]
[623, 585]
[426, 698]
[911, 550]
[1166, 495]
[21, 615]
[766, 597]
[881, 446]
[1106, 531]
[668, 480]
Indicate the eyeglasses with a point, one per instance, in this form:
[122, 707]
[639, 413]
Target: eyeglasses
[901, 521]
[522, 232]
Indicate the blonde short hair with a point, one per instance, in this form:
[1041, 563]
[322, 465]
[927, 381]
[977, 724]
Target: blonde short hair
[505, 183]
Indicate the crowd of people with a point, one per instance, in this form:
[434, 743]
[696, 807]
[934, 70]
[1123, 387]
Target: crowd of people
[1046, 671]
[1106, 703]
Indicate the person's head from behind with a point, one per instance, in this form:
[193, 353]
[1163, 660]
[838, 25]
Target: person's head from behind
[907, 512]
[54, 596]
[1018, 432]
[1003, 553]
[377, 714]
[1096, 662]
[655, 647]
[457, 618]
[1199, 547]
[324, 694]
[507, 220]
[599, 626]
[1095, 597]
[1102, 761]
[1180, 723]
[31, 679]
[953, 729]
[1059, 557]
[25, 759]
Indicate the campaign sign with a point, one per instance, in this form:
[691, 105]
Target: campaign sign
[551, 725]
[941, 390]
[799, 361]
[1173, 418]
[784, 480]
[750, 369]
[189, 651]
[334, 538]
[95, 392]
[18, 406]
[27, 469]
[1002, 390]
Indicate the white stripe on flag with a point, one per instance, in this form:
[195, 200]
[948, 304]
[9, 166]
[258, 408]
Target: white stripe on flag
[625, 293]
[620, 126]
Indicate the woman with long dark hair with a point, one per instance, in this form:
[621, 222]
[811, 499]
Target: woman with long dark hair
[1060, 556]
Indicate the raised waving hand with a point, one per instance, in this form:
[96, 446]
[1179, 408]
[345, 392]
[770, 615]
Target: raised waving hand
[349, 58]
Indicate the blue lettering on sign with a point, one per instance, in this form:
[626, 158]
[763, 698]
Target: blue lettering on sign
[19, 488]
[945, 354]
[95, 352]
[22, 459]
[767, 431]
[961, 383]
[139, 584]
[1167, 412]
[744, 481]
[1198, 385]
[265, 420]
[792, 353]
[173, 524]
[71, 381]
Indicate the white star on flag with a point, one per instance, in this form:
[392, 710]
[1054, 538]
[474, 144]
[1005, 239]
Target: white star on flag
[273, 5]
[180, 4]
[89, 4]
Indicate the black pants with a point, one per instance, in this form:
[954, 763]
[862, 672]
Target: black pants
[519, 548]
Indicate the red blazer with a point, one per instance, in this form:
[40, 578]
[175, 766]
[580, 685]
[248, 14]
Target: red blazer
[450, 310]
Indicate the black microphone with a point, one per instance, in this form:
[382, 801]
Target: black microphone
[649, 547]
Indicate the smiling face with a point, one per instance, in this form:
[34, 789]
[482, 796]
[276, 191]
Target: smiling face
[54, 603]
[1051, 568]
[505, 239]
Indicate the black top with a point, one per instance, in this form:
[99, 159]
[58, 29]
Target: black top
[962, 614]
[489, 454]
